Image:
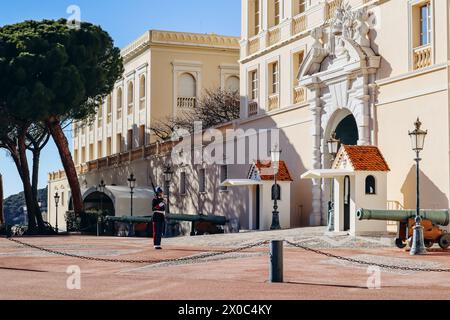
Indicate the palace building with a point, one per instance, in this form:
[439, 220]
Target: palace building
[362, 69]
[165, 73]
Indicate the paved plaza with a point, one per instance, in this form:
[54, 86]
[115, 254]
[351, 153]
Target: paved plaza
[27, 273]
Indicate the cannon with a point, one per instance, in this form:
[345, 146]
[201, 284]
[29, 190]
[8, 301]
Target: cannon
[432, 221]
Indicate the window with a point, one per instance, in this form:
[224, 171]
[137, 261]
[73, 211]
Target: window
[202, 180]
[119, 103]
[130, 95]
[425, 24]
[99, 149]
[109, 109]
[130, 139]
[187, 91]
[91, 152]
[142, 136]
[232, 84]
[370, 185]
[183, 183]
[257, 17]
[277, 12]
[254, 85]
[276, 192]
[119, 143]
[100, 116]
[275, 75]
[109, 146]
[142, 93]
[298, 60]
[299, 6]
[223, 176]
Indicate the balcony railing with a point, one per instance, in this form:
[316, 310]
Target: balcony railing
[252, 108]
[274, 35]
[130, 108]
[109, 118]
[331, 8]
[274, 101]
[142, 103]
[186, 103]
[299, 24]
[299, 94]
[253, 45]
[422, 57]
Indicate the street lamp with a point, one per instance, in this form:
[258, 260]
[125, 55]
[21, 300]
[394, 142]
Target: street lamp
[417, 143]
[57, 197]
[168, 174]
[276, 153]
[132, 185]
[101, 189]
[333, 148]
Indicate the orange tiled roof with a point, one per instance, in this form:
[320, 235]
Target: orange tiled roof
[366, 158]
[266, 171]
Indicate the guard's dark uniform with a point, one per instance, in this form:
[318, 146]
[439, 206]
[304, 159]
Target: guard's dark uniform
[159, 207]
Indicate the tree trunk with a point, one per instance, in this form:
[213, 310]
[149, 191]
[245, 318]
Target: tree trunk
[34, 188]
[2, 213]
[28, 190]
[54, 127]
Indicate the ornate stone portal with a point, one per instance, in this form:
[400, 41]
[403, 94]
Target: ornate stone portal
[339, 71]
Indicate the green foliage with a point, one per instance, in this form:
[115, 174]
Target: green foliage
[13, 206]
[50, 70]
[75, 222]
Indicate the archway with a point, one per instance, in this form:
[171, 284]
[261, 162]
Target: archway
[99, 201]
[347, 131]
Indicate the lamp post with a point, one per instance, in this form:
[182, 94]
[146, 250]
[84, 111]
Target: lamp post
[417, 143]
[333, 148]
[57, 197]
[132, 185]
[101, 189]
[276, 153]
[168, 174]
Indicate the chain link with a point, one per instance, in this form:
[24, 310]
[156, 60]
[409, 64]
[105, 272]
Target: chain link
[354, 261]
[158, 261]
[219, 253]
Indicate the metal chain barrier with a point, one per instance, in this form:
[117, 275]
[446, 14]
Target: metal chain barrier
[175, 260]
[354, 261]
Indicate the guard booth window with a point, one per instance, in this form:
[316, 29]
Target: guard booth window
[370, 185]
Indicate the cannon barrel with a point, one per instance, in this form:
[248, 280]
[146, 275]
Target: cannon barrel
[438, 217]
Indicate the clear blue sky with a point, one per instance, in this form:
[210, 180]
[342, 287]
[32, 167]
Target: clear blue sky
[125, 20]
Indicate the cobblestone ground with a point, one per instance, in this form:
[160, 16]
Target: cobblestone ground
[27, 273]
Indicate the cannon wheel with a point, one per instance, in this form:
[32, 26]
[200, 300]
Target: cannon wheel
[429, 243]
[444, 241]
[400, 243]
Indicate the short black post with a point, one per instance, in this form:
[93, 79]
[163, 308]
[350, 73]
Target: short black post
[276, 261]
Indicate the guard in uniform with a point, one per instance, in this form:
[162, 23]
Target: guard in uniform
[159, 210]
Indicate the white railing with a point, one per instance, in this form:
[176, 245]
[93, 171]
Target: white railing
[299, 94]
[299, 24]
[422, 57]
[274, 35]
[186, 103]
[253, 45]
[252, 108]
[274, 100]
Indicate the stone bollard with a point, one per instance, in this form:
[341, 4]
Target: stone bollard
[276, 261]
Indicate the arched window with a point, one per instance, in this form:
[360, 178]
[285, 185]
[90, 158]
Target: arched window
[187, 91]
[130, 95]
[142, 92]
[232, 84]
[371, 185]
[119, 103]
[276, 192]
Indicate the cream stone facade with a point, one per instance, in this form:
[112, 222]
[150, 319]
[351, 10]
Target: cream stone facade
[310, 69]
[165, 72]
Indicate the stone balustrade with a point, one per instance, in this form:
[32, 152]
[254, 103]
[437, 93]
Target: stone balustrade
[422, 57]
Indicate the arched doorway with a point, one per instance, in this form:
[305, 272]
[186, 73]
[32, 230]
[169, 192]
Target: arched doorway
[99, 201]
[344, 124]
